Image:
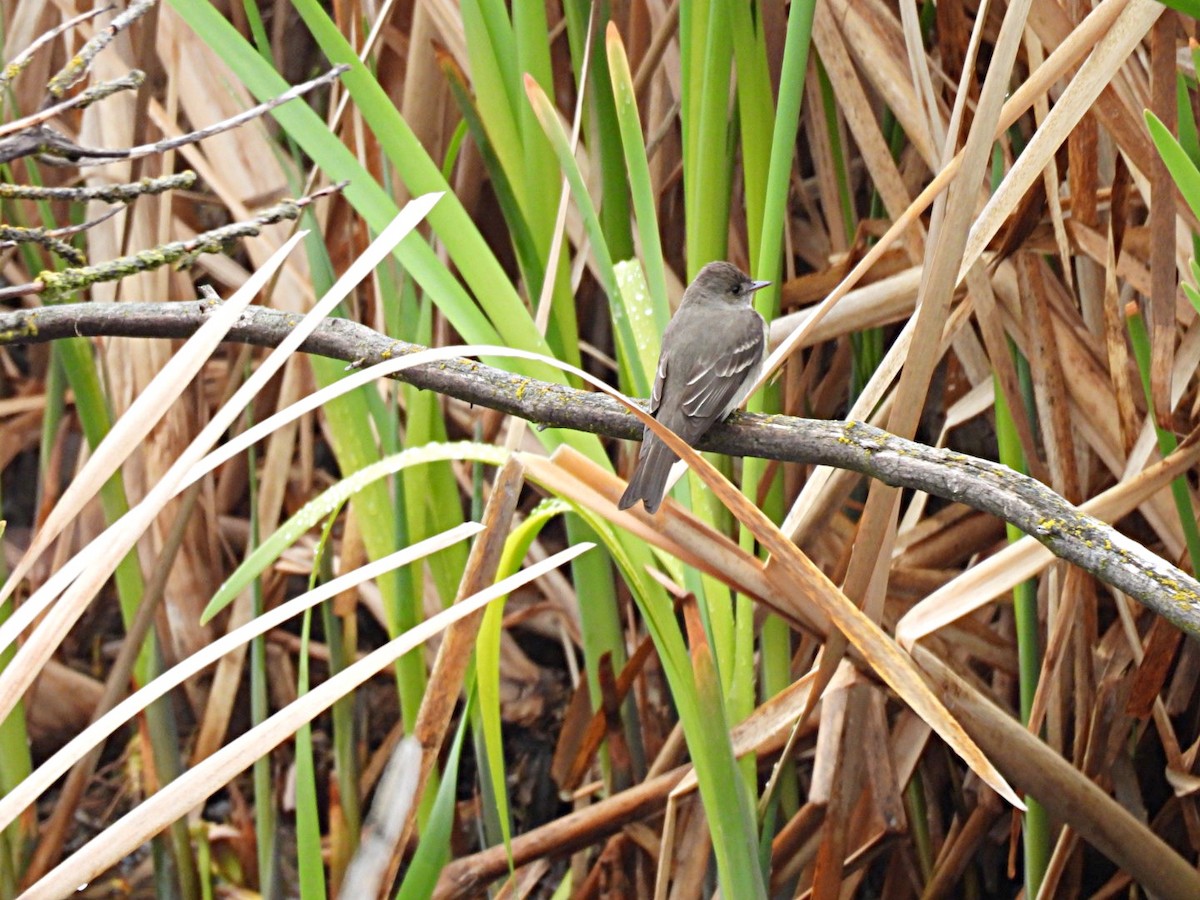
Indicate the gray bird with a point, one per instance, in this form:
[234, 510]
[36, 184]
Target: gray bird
[712, 353]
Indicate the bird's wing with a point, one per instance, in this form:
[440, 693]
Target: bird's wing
[660, 378]
[713, 385]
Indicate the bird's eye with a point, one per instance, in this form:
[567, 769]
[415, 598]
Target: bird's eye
[737, 289]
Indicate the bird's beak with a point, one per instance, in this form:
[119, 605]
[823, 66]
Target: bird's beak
[758, 285]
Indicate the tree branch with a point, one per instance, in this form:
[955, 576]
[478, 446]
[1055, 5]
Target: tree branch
[56, 285]
[983, 485]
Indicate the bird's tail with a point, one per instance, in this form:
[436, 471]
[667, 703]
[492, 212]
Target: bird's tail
[649, 481]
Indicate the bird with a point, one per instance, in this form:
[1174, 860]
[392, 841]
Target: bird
[711, 357]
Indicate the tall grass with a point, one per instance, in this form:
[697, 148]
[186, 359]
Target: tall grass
[756, 132]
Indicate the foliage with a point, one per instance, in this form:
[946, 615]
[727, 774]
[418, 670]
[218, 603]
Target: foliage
[572, 166]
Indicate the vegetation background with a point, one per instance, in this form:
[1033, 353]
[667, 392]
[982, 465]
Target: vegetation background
[978, 239]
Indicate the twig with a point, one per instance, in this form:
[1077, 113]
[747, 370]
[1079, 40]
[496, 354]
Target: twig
[108, 193]
[65, 232]
[233, 122]
[73, 71]
[58, 285]
[128, 82]
[12, 234]
[983, 485]
[50, 146]
[54, 148]
[69, 230]
[22, 59]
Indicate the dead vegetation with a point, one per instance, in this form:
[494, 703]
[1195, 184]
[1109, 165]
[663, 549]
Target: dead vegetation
[849, 662]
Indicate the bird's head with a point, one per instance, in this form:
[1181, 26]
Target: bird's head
[724, 283]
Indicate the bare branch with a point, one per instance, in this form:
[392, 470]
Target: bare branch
[55, 148]
[52, 147]
[22, 59]
[128, 82]
[240, 119]
[68, 230]
[58, 285]
[73, 71]
[13, 234]
[51, 238]
[108, 193]
[987, 486]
